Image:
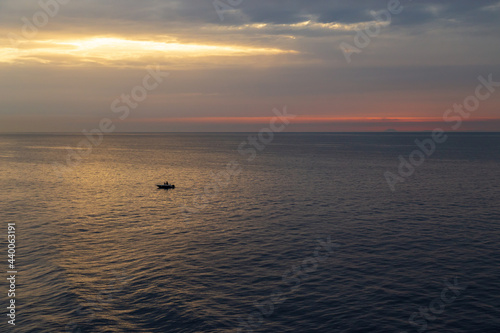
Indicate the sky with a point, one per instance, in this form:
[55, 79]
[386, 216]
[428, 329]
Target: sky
[338, 66]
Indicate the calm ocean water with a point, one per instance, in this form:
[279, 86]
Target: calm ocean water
[100, 249]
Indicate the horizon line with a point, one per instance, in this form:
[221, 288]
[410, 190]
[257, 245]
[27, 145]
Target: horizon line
[181, 132]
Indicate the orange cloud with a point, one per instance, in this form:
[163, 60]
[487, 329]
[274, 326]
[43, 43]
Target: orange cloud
[335, 123]
[298, 120]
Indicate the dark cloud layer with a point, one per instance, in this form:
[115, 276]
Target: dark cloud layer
[196, 12]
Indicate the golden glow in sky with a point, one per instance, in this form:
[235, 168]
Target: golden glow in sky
[109, 49]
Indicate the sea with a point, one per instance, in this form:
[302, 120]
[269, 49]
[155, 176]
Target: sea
[291, 232]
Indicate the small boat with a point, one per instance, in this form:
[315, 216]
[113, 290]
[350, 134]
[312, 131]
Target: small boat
[164, 186]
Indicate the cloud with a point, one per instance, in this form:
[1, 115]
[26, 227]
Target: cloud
[109, 50]
[264, 53]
